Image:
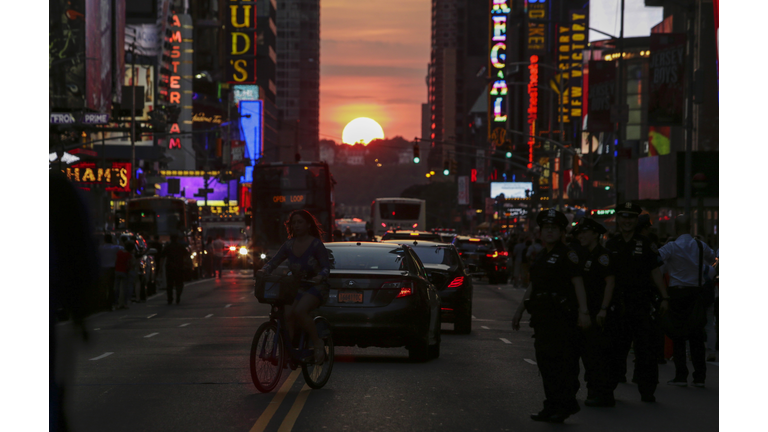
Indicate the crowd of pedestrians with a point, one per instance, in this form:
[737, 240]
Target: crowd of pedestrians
[597, 302]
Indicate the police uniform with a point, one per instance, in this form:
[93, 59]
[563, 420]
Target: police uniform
[595, 342]
[633, 262]
[554, 314]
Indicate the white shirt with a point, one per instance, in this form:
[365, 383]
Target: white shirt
[681, 258]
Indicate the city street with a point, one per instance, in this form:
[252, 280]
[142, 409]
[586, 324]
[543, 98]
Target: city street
[159, 367]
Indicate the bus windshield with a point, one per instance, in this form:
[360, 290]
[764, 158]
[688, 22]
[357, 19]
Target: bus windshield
[156, 217]
[399, 211]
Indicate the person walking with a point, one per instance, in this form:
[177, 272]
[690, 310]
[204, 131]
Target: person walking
[218, 255]
[687, 261]
[174, 254]
[124, 262]
[208, 258]
[597, 273]
[518, 254]
[557, 303]
[107, 257]
[636, 268]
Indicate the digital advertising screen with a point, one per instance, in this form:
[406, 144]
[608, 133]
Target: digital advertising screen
[510, 189]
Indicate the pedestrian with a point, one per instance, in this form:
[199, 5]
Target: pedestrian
[557, 303]
[123, 264]
[525, 262]
[599, 281]
[208, 257]
[687, 260]
[174, 254]
[713, 315]
[133, 272]
[371, 236]
[337, 235]
[218, 255]
[644, 227]
[518, 255]
[107, 257]
[347, 234]
[636, 269]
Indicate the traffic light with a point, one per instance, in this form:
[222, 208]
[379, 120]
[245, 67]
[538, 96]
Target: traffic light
[416, 153]
[446, 167]
[507, 146]
[454, 169]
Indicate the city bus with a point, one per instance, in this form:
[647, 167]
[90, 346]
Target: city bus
[163, 216]
[278, 189]
[398, 213]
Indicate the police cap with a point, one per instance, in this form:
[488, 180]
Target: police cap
[592, 225]
[552, 216]
[629, 209]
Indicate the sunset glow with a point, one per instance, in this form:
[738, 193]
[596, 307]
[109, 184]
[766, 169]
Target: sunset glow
[361, 130]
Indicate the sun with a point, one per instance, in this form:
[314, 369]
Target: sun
[361, 130]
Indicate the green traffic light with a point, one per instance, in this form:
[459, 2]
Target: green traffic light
[416, 159]
[446, 171]
[509, 154]
[607, 188]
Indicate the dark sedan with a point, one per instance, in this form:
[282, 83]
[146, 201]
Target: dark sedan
[381, 296]
[481, 256]
[452, 280]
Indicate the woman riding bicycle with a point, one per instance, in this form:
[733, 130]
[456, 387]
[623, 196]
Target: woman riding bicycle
[307, 259]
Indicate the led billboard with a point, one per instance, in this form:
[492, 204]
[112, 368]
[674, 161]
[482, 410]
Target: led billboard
[190, 186]
[510, 189]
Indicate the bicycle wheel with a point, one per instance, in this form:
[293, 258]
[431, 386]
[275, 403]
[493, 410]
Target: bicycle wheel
[317, 375]
[267, 358]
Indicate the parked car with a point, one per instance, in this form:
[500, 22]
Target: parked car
[447, 272]
[482, 257]
[380, 295]
[410, 235]
[503, 258]
[146, 257]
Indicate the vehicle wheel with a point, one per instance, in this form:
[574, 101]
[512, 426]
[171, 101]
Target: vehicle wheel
[434, 350]
[266, 360]
[463, 323]
[316, 376]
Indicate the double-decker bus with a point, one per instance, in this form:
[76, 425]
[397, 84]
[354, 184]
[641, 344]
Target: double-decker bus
[163, 216]
[398, 213]
[278, 189]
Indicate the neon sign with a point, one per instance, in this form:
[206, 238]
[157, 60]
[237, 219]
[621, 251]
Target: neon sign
[114, 178]
[241, 28]
[533, 104]
[497, 67]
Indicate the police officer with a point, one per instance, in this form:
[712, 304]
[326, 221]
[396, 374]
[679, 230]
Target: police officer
[598, 278]
[557, 303]
[636, 268]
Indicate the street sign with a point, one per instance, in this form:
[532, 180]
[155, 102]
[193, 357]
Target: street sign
[62, 118]
[202, 192]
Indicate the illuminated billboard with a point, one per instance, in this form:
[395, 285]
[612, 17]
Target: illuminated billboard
[510, 189]
[114, 178]
[497, 95]
[241, 42]
[190, 186]
[251, 128]
[579, 24]
[144, 78]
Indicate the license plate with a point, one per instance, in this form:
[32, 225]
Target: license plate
[351, 297]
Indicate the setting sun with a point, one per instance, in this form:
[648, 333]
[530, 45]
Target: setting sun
[361, 130]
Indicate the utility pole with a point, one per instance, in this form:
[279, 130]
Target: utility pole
[619, 110]
[131, 182]
[689, 112]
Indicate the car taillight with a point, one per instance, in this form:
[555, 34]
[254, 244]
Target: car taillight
[493, 255]
[457, 282]
[406, 287]
[504, 253]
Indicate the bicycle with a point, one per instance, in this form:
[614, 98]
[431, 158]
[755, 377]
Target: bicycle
[271, 342]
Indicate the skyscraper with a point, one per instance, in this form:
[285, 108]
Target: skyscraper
[298, 78]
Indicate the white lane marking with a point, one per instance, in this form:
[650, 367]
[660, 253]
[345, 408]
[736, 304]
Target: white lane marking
[530, 361]
[97, 329]
[228, 305]
[209, 315]
[151, 316]
[151, 334]
[505, 341]
[484, 327]
[241, 298]
[474, 317]
[106, 354]
[184, 325]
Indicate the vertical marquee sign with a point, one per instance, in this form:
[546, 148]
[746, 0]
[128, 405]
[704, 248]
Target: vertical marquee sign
[497, 96]
[176, 76]
[536, 44]
[241, 43]
[579, 24]
[666, 71]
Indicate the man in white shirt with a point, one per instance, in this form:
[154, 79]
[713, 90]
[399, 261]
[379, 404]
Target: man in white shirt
[681, 259]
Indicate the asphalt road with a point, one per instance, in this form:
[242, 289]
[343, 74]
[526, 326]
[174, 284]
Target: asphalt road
[159, 367]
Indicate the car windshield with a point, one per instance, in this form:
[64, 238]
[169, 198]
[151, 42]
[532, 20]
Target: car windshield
[472, 246]
[367, 258]
[436, 255]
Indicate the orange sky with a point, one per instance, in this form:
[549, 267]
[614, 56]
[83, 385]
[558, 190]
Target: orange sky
[373, 63]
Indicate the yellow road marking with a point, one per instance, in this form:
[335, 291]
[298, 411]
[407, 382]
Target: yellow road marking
[293, 414]
[266, 416]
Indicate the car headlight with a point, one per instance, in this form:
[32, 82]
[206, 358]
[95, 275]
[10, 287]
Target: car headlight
[243, 251]
[194, 254]
[263, 256]
[232, 248]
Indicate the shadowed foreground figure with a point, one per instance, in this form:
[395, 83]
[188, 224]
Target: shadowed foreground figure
[73, 285]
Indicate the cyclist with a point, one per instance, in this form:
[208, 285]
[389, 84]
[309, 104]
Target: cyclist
[307, 259]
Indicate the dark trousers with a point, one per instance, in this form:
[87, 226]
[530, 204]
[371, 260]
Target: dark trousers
[107, 287]
[557, 356]
[682, 302]
[174, 281]
[634, 326]
[594, 349]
